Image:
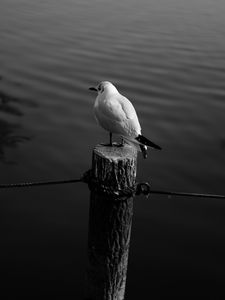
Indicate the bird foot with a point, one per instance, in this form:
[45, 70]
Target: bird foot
[119, 144]
[112, 145]
[106, 144]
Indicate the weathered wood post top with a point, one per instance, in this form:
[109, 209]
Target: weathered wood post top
[116, 166]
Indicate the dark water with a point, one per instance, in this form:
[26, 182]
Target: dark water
[168, 57]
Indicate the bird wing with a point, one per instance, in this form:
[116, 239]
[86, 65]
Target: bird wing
[118, 108]
[127, 107]
[118, 115]
[112, 109]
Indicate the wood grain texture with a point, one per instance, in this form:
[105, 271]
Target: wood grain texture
[110, 223]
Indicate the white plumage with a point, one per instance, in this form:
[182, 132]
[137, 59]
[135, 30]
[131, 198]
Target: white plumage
[116, 114]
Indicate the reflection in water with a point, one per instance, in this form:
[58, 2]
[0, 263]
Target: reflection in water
[5, 100]
[8, 131]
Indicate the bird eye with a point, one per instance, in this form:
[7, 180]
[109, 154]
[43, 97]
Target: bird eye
[101, 88]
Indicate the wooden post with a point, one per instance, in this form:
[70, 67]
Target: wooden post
[110, 218]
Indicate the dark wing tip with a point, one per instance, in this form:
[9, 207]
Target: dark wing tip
[143, 140]
[158, 147]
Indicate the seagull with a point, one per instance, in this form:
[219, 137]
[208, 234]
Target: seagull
[116, 114]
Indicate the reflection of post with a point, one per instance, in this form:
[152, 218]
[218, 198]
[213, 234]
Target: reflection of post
[110, 218]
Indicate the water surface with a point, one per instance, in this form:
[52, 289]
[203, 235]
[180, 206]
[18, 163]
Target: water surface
[168, 58]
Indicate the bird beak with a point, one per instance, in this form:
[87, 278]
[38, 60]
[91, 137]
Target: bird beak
[93, 89]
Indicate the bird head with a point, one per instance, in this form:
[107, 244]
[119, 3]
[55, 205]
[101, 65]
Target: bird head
[104, 87]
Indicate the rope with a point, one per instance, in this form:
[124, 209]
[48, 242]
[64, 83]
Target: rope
[172, 193]
[37, 183]
[144, 188]
[140, 188]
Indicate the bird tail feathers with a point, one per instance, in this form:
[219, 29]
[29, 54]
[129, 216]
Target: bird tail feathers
[144, 141]
[143, 150]
[141, 143]
[137, 145]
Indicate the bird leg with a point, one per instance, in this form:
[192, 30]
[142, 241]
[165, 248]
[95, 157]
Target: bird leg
[110, 139]
[111, 144]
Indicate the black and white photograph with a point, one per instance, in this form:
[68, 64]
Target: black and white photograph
[112, 149]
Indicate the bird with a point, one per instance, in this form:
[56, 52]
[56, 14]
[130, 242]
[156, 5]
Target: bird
[117, 115]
